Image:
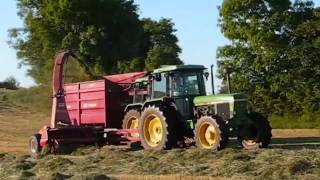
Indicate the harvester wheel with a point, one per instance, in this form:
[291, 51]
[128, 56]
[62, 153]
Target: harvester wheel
[260, 133]
[156, 129]
[34, 144]
[130, 121]
[211, 133]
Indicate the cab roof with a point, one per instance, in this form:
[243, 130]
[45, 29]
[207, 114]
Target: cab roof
[168, 68]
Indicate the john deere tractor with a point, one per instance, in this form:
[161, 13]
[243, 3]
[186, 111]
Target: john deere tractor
[171, 105]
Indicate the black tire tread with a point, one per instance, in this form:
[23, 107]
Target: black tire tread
[165, 116]
[36, 136]
[129, 114]
[218, 122]
[264, 128]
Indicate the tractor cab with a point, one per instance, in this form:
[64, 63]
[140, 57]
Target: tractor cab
[182, 83]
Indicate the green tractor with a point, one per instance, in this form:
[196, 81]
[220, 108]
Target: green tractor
[171, 106]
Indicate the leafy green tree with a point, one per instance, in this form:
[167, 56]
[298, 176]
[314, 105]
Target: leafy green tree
[161, 43]
[158, 47]
[274, 53]
[107, 34]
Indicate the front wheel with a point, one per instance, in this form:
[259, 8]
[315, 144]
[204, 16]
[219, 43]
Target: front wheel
[258, 134]
[210, 133]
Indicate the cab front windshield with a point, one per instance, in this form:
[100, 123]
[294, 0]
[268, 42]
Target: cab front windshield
[188, 83]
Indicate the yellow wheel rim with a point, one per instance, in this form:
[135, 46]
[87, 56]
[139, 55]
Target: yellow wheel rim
[208, 136]
[132, 124]
[153, 130]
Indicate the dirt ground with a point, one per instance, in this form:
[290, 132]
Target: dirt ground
[293, 154]
[291, 133]
[17, 125]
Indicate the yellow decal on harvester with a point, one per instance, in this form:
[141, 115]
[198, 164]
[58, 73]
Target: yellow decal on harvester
[89, 105]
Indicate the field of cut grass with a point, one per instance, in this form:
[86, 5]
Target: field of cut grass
[115, 162]
[294, 154]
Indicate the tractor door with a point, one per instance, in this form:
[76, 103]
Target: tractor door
[186, 85]
[160, 86]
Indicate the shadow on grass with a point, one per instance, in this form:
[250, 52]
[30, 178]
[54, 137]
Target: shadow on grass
[296, 143]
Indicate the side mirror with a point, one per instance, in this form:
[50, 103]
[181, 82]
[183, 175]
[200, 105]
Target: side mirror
[206, 75]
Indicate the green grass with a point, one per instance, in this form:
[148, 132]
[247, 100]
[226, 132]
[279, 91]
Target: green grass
[19, 120]
[305, 121]
[35, 98]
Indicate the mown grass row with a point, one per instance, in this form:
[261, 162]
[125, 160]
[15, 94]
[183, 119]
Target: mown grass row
[114, 162]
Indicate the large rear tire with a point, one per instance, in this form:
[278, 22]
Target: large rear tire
[34, 144]
[259, 135]
[156, 129]
[211, 133]
[131, 121]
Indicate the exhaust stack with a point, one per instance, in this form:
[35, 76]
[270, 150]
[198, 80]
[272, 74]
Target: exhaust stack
[212, 80]
[228, 80]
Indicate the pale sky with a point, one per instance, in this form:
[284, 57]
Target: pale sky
[196, 24]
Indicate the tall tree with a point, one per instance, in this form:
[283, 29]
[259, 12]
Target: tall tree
[159, 47]
[105, 33]
[162, 43]
[274, 53]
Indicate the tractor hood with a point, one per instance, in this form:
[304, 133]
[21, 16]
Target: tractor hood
[217, 99]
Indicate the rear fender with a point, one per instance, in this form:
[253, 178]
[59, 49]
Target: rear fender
[165, 101]
[137, 106]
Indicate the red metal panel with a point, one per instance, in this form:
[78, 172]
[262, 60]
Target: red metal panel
[72, 102]
[98, 102]
[93, 112]
[71, 88]
[92, 116]
[86, 102]
[92, 102]
[92, 85]
[97, 94]
[72, 96]
[127, 78]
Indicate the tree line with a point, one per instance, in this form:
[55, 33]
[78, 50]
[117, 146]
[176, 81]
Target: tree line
[108, 35]
[274, 53]
[10, 83]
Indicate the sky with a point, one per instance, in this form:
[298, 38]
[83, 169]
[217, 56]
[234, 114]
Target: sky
[196, 23]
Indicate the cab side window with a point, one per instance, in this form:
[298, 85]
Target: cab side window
[159, 87]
